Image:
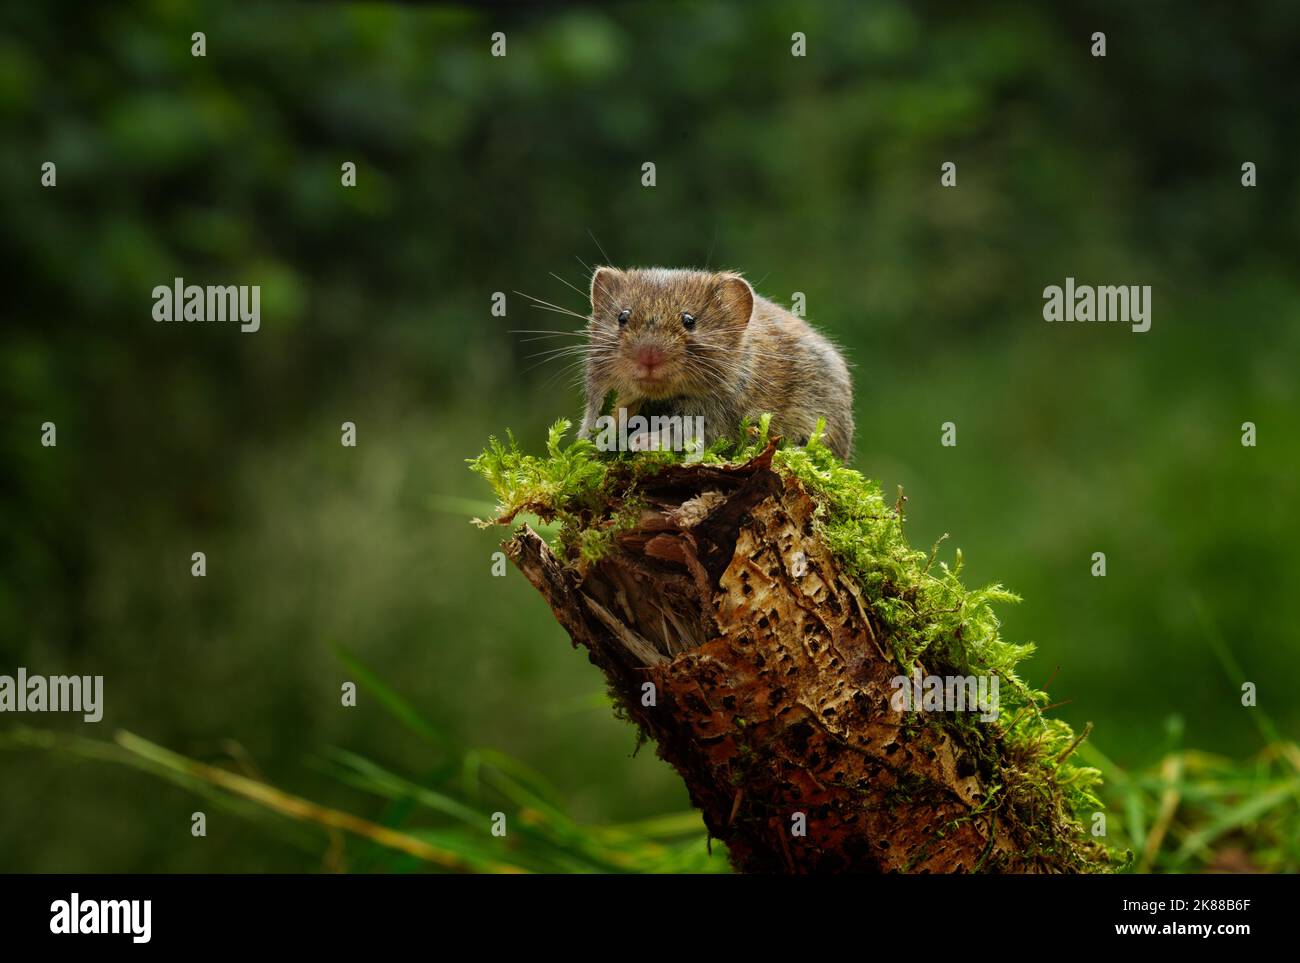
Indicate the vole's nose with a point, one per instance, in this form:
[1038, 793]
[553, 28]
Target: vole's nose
[649, 357]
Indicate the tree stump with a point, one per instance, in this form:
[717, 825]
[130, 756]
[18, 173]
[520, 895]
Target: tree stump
[730, 635]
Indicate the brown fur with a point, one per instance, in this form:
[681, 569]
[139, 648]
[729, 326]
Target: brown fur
[744, 357]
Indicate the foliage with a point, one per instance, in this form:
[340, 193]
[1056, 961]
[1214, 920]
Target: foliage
[439, 821]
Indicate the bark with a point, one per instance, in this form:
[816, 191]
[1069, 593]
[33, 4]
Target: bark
[771, 687]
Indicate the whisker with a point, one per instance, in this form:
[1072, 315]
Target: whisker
[567, 369]
[546, 335]
[600, 246]
[543, 331]
[564, 352]
[541, 303]
[564, 311]
[572, 287]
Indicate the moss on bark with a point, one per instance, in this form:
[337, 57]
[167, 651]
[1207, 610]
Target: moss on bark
[750, 612]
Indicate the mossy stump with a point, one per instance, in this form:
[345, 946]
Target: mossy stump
[771, 689]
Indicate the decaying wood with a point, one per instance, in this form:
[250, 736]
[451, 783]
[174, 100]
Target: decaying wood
[771, 684]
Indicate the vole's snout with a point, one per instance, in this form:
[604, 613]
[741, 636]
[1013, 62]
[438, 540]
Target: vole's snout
[648, 357]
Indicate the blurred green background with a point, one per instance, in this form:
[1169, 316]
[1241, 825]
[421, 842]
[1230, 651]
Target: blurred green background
[478, 174]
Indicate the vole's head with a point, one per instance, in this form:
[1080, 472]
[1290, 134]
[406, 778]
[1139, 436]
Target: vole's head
[659, 333]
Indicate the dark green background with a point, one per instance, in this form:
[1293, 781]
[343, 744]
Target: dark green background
[476, 175]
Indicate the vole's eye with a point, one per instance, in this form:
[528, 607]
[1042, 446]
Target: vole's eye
[623, 316]
[688, 321]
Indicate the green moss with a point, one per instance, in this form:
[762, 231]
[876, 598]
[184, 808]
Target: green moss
[928, 614]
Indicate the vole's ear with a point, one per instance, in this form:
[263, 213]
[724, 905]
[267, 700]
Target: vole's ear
[736, 298]
[605, 283]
